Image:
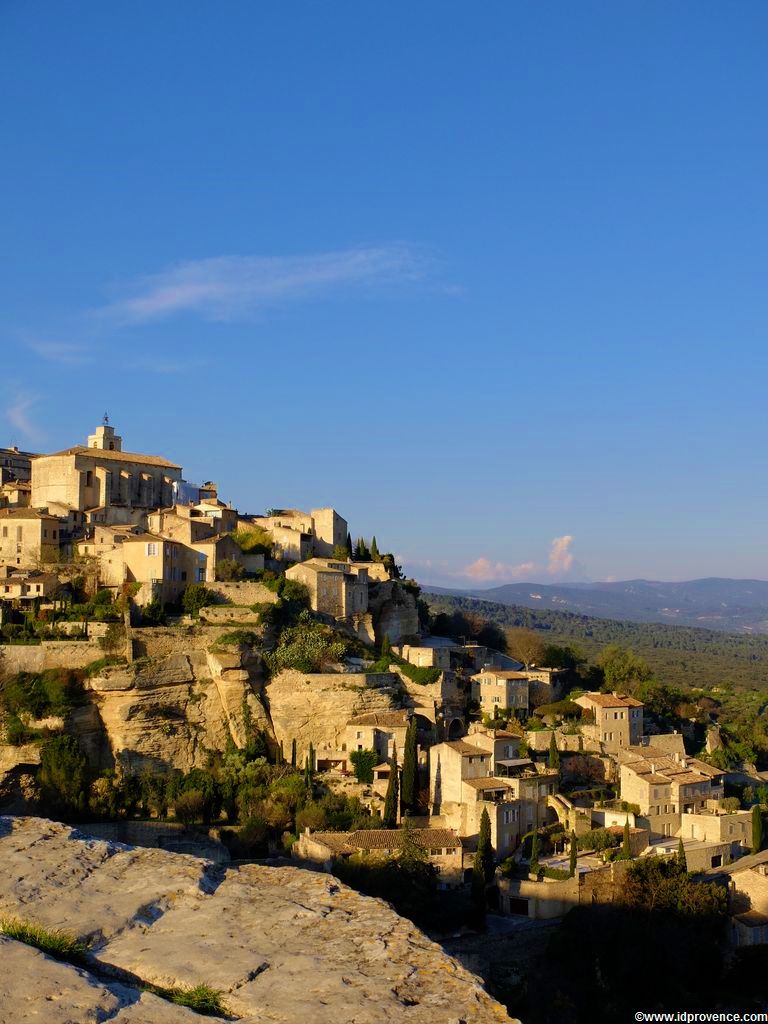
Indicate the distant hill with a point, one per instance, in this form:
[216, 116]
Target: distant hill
[679, 655]
[736, 606]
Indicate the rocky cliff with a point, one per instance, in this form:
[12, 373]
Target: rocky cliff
[281, 944]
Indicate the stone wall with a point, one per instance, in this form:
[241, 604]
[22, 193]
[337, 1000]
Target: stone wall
[48, 654]
[245, 592]
[162, 641]
[226, 614]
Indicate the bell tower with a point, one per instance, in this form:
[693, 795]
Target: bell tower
[105, 437]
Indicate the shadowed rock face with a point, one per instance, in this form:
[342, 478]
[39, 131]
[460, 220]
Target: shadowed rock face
[283, 944]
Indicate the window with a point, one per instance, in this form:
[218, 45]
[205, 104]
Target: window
[5, 531]
[151, 550]
[89, 478]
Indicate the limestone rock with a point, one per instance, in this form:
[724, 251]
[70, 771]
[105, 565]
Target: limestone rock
[283, 944]
[314, 708]
[34, 988]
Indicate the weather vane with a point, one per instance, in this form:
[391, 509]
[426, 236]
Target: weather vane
[106, 419]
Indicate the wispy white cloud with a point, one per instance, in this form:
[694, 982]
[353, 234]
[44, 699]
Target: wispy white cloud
[228, 288]
[18, 415]
[61, 352]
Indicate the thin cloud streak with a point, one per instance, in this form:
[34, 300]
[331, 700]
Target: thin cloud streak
[61, 352]
[18, 416]
[230, 288]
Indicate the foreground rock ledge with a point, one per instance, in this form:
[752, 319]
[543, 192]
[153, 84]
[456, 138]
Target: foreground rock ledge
[283, 944]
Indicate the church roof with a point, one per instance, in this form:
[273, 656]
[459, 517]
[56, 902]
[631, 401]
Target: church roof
[113, 456]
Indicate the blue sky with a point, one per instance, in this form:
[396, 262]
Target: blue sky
[488, 278]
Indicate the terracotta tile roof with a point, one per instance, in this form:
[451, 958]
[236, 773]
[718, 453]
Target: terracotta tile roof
[104, 453]
[25, 513]
[501, 674]
[467, 749]
[610, 700]
[383, 719]
[387, 839]
[488, 782]
[658, 767]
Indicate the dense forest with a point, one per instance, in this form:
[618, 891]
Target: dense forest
[680, 656]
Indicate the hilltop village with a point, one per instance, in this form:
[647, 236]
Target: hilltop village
[177, 672]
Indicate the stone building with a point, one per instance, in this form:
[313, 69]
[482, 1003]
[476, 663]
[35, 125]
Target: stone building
[300, 535]
[15, 465]
[497, 689]
[666, 787]
[482, 772]
[28, 536]
[442, 846]
[378, 730]
[618, 720]
[747, 883]
[101, 475]
[26, 585]
[335, 588]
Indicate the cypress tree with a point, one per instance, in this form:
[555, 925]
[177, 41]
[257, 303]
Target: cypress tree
[482, 867]
[375, 556]
[534, 865]
[391, 799]
[293, 753]
[626, 849]
[757, 829]
[682, 863]
[554, 753]
[386, 647]
[408, 782]
[350, 550]
[281, 754]
[312, 759]
[572, 862]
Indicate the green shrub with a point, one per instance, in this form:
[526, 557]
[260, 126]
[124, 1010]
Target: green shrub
[16, 733]
[236, 637]
[560, 874]
[560, 709]
[196, 596]
[53, 692]
[418, 674]
[98, 666]
[253, 540]
[363, 762]
[63, 777]
[58, 944]
[307, 645]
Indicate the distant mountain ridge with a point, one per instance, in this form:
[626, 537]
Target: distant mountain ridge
[735, 606]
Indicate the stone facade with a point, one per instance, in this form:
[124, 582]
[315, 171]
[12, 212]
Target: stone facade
[483, 772]
[665, 787]
[618, 720]
[28, 537]
[102, 475]
[501, 690]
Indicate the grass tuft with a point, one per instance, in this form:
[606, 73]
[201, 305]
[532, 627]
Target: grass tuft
[58, 944]
[201, 998]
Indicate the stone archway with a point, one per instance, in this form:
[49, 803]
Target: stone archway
[456, 729]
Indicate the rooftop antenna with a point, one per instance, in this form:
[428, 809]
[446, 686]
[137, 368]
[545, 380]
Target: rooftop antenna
[106, 419]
